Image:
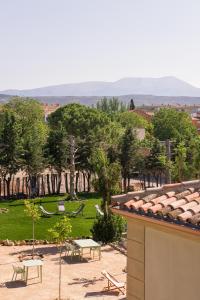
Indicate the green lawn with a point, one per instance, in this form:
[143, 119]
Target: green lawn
[16, 225]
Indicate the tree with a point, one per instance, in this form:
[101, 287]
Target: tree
[60, 232]
[56, 151]
[132, 105]
[131, 119]
[111, 105]
[180, 165]
[81, 123]
[30, 116]
[193, 158]
[129, 148]
[155, 164]
[32, 211]
[170, 124]
[10, 146]
[108, 178]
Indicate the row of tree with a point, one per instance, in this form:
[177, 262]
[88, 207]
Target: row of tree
[97, 140]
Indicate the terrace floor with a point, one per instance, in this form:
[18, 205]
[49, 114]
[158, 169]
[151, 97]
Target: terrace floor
[80, 280]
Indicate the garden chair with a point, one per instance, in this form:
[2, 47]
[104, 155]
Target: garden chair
[18, 271]
[77, 212]
[99, 211]
[45, 212]
[61, 206]
[113, 283]
[72, 250]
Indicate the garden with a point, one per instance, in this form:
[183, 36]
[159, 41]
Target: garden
[16, 225]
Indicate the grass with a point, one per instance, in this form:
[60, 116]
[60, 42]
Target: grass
[16, 225]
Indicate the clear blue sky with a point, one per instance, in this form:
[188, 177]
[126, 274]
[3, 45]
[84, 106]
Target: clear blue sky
[45, 42]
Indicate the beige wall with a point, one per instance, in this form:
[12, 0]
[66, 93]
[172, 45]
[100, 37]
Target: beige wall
[172, 267]
[135, 260]
[162, 263]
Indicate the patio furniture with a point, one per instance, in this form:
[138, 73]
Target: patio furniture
[33, 263]
[99, 211]
[72, 250]
[76, 212]
[61, 206]
[18, 271]
[90, 244]
[46, 213]
[113, 283]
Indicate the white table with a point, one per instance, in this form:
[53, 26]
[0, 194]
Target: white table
[88, 243]
[33, 263]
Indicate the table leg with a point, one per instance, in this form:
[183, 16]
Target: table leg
[40, 273]
[26, 274]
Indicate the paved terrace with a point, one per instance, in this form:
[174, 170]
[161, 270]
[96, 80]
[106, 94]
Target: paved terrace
[80, 280]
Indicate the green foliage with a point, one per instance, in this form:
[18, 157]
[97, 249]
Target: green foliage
[172, 124]
[180, 165]
[57, 148]
[10, 143]
[193, 158]
[33, 132]
[111, 105]
[108, 228]
[130, 119]
[129, 147]
[156, 161]
[61, 230]
[32, 210]
[108, 181]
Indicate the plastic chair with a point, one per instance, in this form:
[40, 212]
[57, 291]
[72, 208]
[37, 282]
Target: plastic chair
[18, 271]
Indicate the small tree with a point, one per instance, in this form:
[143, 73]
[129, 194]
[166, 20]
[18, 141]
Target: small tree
[33, 212]
[60, 232]
[132, 105]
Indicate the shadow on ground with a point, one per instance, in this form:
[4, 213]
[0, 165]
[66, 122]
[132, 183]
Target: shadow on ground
[85, 282]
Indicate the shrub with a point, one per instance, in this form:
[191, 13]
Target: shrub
[108, 228]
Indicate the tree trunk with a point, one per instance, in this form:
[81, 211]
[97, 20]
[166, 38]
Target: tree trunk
[66, 183]
[53, 183]
[8, 181]
[60, 262]
[48, 185]
[33, 228]
[84, 182]
[124, 183]
[33, 186]
[72, 167]
[59, 182]
[88, 178]
[77, 179]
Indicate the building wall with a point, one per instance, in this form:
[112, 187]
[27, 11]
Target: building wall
[172, 266]
[162, 263]
[135, 260]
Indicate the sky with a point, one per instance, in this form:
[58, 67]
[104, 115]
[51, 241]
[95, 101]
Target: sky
[50, 42]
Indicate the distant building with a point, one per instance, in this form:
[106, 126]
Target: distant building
[147, 115]
[49, 108]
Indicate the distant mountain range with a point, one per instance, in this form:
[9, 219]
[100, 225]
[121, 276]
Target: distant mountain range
[147, 91]
[164, 86]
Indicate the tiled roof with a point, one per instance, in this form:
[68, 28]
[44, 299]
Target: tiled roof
[175, 203]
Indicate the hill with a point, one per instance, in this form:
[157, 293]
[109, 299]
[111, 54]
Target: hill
[164, 86]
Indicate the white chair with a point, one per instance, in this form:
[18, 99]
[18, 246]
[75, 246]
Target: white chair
[113, 283]
[72, 250]
[98, 210]
[18, 271]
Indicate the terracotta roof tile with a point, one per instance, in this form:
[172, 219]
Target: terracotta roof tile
[180, 204]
